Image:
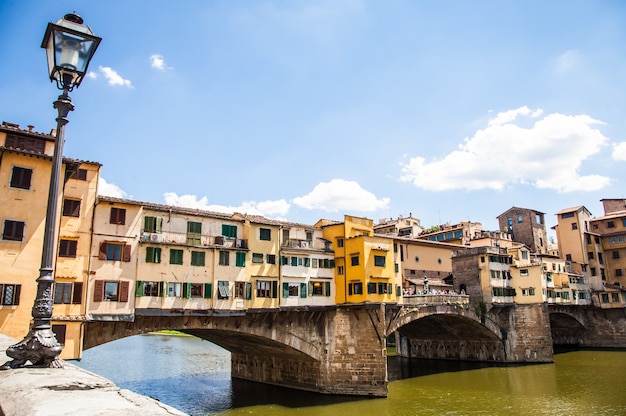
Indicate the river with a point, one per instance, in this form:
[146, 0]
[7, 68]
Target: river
[194, 376]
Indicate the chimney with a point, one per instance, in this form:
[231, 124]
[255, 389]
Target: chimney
[30, 128]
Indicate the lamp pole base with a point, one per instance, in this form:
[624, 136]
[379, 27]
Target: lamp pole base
[40, 347]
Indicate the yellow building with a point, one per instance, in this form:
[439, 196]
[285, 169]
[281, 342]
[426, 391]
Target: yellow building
[526, 275]
[25, 169]
[364, 263]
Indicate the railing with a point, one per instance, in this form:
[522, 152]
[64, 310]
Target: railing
[193, 239]
[450, 299]
[298, 243]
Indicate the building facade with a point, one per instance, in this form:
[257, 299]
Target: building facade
[526, 226]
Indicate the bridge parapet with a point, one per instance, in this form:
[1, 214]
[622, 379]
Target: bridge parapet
[433, 300]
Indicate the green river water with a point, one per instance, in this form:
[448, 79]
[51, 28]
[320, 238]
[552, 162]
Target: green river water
[194, 376]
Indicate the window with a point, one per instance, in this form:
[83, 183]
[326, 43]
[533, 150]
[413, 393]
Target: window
[567, 215]
[194, 233]
[614, 297]
[174, 289]
[149, 288]
[229, 231]
[285, 236]
[309, 236]
[153, 254]
[176, 256]
[523, 272]
[10, 294]
[355, 260]
[28, 144]
[118, 216]
[618, 273]
[605, 298]
[240, 259]
[307, 262]
[509, 221]
[59, 333]
[379, 261]
[340, 242]
[538, 219]
[568, 257]
[615, 254]
[265, 234]
[257, 257]
[371, 288]
[266, 289]
[610, 224]
[110, 291]
[355, 288]
[294, 261]
[292, 290]
[79, 174]
[114, 251]
[315, 263]
[224, 258]
[524, 255]
[340, 270]
[67, 248]
[223, 290]
[152, 224]
[197, 258]
[20, 178]
[271, 259]
[574, 226]
[68, 293]
[383, 288]
[590, 255]
[13, 230]
[520, 219]
[195, 290]
[71, 208]
[243, 290]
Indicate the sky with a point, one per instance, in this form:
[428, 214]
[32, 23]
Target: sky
[447, 111]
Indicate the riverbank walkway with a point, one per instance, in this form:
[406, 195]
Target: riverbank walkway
[68, 391]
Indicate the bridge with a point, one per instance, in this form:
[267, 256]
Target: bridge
[342, 349]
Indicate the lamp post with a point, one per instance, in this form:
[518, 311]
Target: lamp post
[69, 45]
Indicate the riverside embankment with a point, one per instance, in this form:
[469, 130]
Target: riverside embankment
[68, 391]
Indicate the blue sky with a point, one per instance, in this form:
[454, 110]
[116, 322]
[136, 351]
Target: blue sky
[300, 110]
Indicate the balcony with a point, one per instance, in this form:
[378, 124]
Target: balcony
[427, 300]
[291, 243]
[193, 240]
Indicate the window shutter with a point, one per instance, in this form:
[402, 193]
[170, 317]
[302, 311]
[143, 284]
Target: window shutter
[390, 288]
[77, 295]
[102, 254]
[327, 288]
[285, 290]
[208, 290]
[16, 295]
[124, 289]
[274, 289]
[248, 290]
[303, 290]
[98, 291]
[126, 255]
[146, 224]
[161, 289]
[187, 290]
[310, 289]
[158, 225]
[139, 288]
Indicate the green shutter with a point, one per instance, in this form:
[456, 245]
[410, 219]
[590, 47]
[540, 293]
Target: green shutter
[327, 288]
[310, 289]
[398, 291]
[187, 290]
[303, 290]
[390, 288]
[159, 224]
[139, 288]
[208, 290]
[285, 290]
[248, 290]
[294, 261]
[274, 289]
[162, 287]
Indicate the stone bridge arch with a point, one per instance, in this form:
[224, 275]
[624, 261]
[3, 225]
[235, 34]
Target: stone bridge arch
[446, 332]
[567, 325]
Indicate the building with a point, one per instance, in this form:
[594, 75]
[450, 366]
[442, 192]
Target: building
[365, 269]
[25, 170]
[460, 234]
[401, 227]
[526, 226]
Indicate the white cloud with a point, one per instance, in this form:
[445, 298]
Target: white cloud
[92, 75]
[341, 195]
[110, 189]
[619, 151]
[158, 62]
[113, 77]
[568, 61]
[271, 209]
[548, 155]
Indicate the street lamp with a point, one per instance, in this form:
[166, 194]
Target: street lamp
[69, 45]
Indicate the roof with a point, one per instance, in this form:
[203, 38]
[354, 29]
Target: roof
[168, 208]
[66, 160]
[572, 209]
[514, 208]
